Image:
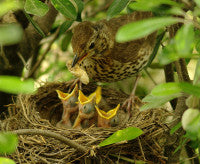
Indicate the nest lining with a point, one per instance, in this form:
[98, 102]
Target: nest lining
[43, 110]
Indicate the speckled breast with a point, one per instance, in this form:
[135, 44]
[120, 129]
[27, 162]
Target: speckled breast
[106, 71]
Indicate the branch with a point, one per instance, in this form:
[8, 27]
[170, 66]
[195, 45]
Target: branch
[27, 47]
[104, 7]
[31, 38]
[38, 63]
[169, 77]
[173, 141]
[48, 133]
[184, 70]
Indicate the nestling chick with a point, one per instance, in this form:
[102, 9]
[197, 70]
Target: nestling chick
[107, 119]
[87, 108]
[69, 106]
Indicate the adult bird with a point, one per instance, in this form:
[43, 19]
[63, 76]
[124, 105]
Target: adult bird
[106, 60]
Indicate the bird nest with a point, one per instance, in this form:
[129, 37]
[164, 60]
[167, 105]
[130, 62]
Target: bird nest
[34, 117]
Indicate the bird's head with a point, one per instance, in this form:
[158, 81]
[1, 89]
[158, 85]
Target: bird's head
[87, 104]
[90, 39]
[107, 119]
[68, 99]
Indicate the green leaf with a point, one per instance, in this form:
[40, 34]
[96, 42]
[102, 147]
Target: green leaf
[197, 39]
[191, 123]
[194, 144]
[142, 28]
[35, 25]
[168, 54]
[13, 84]
[66, 8]
[184, 40]
[4, 160]
[65, 26]
[181, 145]
[196, 80]
[66, 41]
[150, 5]
[197, 2]
[156, 48]
[192, 102]
[159, 8]
[190, 89]
[116, 7]
[8, 142]
[36, 7]
[174, 11]
[10, 34]
[197, 46]
[166, 89]
[6, 6]
[156, 101]
[171, 88]
[127, 134]
[175, 128]
[167, 57]
[80, 6]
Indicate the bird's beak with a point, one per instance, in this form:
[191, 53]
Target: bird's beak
[75, 60]
[107, 115]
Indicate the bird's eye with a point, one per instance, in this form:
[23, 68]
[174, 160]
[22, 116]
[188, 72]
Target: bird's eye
[91, 45]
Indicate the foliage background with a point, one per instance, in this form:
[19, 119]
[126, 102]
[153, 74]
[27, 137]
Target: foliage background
[35, 43]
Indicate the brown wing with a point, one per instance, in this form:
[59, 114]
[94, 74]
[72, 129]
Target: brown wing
[115, 23]
[126, 52]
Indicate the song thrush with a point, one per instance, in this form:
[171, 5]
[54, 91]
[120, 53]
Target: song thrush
[104, 59]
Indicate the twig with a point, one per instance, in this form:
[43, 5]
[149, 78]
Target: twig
[196, 24]
[169, 73]
[35, 67]
[48, 133]
[23, 60]
[141, 149]
[170, 144]
[124, 158]
[178, 70]
[156, 66]
[194, 158]
[148, 74]
[44, 160]
[169, 77]
[24, 112]
[101, 8]
[55, 153]
[77, 158]
[5, 59]
[19, 159]
[184, 70]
